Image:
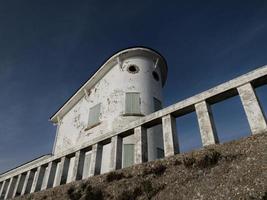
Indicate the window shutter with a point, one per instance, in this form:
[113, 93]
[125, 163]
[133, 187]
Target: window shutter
[157, 104]
[94, 115]
[132, 104]
[128, 155]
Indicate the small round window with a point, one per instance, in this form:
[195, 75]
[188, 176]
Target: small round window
[155, 75]
[133, 69]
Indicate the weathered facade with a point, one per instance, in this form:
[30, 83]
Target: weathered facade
[128, 86]
[115, 120]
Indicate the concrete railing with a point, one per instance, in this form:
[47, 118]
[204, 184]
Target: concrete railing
[32, 178]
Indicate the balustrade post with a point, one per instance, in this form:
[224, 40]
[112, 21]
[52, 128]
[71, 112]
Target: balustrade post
[140, 147]
[18, 186]
[38, 179]
[2, 188]
[63, 170]
[25, 183]
[28, 182]
[10, 187]
[170, 139]
[96, 158]
[206, 124]
[7, 189]
[116, 153]
[50, 175]
[78, 165]
[253, 110]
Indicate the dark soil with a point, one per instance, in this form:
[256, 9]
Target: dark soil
[235, 170]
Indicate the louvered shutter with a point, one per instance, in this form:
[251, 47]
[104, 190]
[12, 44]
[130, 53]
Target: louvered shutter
[132, 104]
[157, 104]
[94, 115]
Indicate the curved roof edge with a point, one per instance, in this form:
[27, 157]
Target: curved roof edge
[105, 68]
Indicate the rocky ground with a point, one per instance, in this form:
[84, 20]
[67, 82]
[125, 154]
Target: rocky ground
[235, 170]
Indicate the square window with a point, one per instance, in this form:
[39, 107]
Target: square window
[132, 103]
[157, 104]
[94, 115]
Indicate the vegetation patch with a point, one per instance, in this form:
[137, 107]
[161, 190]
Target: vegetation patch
[130, 194]
[74, 194]
[93, 193]
[157, 169]
[84, 192]
[177, 162]
[114, 176]
[150, 190]
[189, 161]
[208, 160]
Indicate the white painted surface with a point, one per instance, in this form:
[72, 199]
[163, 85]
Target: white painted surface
[86, 167]
[105, 158]
[224, 91]
[45, 179]
[57, 173]
[110, 92]
[70, 173]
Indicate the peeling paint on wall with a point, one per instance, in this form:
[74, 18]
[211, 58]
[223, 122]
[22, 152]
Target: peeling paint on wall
[110, 93]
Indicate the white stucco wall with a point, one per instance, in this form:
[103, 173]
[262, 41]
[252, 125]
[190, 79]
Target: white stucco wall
[110, 92]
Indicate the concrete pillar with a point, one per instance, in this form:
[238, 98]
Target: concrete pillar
[78, 165]
[25, 183]
[96, 158]
[253, 110]
[51, 171]
[170, 140]
[140, 147]
[38, 179]
[4, 189]
[86, 167]
[116, 153]
[10, 187]
[206, 124]
[28, 182]
[18, 185]
[63, 170]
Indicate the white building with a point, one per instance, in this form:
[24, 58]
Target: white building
[126, 87]
[109, 117]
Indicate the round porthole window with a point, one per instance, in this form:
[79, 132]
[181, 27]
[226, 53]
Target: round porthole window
[155, 75]
[133, 69]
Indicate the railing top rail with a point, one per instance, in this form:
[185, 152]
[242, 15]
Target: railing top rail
[222, 88]
[227, 86]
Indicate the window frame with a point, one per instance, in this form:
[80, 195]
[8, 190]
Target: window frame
[92, 123]
[156, 102]
[132, 111]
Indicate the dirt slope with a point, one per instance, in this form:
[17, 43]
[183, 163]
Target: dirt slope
[235, 170]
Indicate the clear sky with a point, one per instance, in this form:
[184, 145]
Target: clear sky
[49, 48]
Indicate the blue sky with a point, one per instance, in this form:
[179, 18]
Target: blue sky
[49, 48]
